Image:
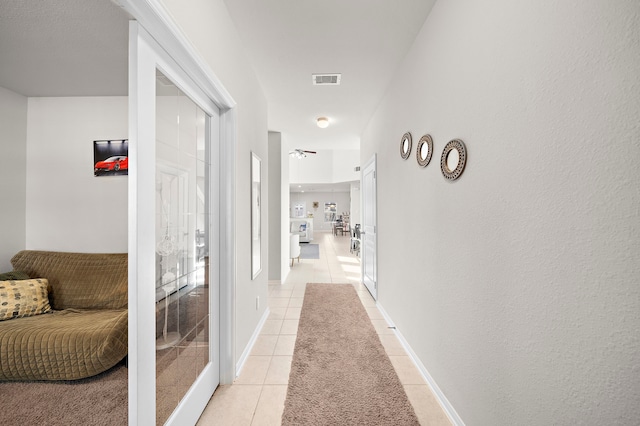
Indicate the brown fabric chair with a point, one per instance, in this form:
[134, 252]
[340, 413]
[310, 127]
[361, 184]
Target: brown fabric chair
[87, 332]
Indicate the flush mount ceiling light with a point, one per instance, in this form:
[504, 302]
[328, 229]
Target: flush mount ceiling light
[323, 122]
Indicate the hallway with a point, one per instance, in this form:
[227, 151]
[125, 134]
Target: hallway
[257, 396]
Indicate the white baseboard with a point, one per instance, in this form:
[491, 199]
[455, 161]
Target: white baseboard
[440, 397]
[252, 342]
[274, 281]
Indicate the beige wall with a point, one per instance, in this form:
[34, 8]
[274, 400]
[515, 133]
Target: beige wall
[68, 208]
[208, 26]
[517, 285]
[13, 175]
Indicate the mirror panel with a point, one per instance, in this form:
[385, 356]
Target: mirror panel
[256, 216]
[453, 159]
[182, 245]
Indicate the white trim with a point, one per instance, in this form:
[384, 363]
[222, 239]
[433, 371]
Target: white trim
[252, 342]
[153, 16]
[141, 189]
[198, 393]
[228, 148]
[284, 278]
[275, 281]
[435, 389]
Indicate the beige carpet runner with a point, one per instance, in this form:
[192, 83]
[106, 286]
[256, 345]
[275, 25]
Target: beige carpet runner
[340, 374]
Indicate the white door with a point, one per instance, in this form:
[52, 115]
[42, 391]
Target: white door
[174, 239]
[369, 228]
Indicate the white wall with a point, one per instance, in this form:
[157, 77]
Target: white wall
[278, 217]
[68, 208]
[314, 168]
[284, 210]
[13, 175]
[342, 200]
[326, 166]
[517, 285]
[275, 222]
[210, 29]
[344, 163]
[355, 203]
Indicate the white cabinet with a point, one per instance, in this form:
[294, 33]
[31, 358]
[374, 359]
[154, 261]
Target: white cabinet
[303, 227]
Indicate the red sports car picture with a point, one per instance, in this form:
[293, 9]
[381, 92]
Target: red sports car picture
[112, 164]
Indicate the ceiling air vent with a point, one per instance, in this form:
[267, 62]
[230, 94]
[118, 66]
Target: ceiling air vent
[326, 79]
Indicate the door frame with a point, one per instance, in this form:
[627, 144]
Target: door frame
[366, 227]
[154, 19]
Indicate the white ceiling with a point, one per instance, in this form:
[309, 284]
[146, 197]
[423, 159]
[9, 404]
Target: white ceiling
[79, 48]
[63, 47]
[289, 40]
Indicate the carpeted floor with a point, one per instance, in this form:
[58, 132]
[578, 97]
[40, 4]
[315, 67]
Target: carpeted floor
[309, 251]
[96, 401]
[340, 373]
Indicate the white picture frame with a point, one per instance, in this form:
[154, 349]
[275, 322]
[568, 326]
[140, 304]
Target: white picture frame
[256, 216]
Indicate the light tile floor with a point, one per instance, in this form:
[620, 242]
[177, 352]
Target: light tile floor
[257, 396]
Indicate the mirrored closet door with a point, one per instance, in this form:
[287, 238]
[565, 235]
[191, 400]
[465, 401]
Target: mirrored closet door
[174, 243]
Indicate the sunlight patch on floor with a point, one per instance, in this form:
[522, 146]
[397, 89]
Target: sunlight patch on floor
[344, 259]
[354, 269]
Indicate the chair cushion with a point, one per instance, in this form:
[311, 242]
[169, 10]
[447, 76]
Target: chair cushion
[66, 345]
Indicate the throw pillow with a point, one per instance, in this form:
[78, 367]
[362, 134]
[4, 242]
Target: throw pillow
[23, 298]
[14, 275]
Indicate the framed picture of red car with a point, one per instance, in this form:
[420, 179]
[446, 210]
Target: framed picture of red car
[111, 157]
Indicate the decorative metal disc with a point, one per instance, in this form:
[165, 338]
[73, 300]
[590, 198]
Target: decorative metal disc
[426, 139]
[458, 145]
[405, 152]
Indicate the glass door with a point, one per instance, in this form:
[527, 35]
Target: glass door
[183, 223]
[174, 247]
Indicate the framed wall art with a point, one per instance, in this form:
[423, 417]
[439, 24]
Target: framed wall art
[256, 216]
[111, 157]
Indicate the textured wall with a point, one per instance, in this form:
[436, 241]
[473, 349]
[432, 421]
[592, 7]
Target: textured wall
[518, 285]
[13, 175]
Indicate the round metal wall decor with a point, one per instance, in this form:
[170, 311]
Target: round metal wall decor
[405, 146]
[424, 150]
[453, 160]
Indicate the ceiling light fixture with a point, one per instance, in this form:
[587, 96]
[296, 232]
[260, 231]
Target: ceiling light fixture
[323, 122]
[300, 153]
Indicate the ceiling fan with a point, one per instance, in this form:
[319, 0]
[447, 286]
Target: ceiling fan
[300, 153]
